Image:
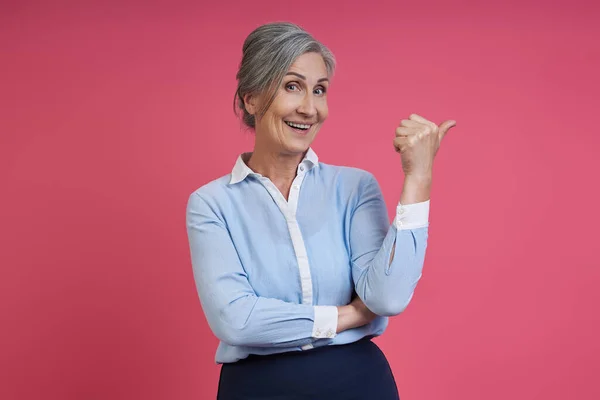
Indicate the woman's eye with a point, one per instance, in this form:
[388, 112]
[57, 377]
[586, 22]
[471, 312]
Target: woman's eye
[320, 91]
[291, 86]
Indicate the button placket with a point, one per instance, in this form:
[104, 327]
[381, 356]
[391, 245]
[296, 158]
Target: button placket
[298, 241]
[288, 209]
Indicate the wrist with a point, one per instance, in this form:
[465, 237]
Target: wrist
[348, 318]
[416, 189]
[419, 178]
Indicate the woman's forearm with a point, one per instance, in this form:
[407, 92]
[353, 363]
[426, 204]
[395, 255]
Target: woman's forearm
[354, 315]
[385, 269]
[416, 189]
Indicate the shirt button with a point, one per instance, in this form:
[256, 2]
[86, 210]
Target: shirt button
[302, 168]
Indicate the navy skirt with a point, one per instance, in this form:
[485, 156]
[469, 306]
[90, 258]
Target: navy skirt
[355, 371]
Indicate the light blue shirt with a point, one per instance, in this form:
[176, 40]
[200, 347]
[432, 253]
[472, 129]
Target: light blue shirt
[270, 271]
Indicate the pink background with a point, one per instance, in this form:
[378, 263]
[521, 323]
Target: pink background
[112, 114]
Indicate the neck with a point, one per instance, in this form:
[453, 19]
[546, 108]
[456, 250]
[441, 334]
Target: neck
[279, 167]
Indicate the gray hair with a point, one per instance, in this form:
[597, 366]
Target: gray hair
[268, 53]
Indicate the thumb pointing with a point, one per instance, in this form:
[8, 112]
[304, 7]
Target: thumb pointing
[445, 126]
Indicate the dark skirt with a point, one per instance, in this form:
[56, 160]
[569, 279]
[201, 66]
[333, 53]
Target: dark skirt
[355, 371]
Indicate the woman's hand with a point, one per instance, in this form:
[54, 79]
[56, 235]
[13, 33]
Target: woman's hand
[364, 314]
[418, 140]
[354, 315]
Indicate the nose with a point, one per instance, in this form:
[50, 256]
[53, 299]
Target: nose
[307, 106]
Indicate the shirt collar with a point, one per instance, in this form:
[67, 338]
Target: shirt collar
[241, 170]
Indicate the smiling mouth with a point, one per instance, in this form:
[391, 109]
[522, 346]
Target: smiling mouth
[298, 126]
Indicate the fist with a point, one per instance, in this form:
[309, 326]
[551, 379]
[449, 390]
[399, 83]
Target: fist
[418, 140]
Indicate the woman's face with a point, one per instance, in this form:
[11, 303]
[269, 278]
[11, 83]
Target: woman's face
[300, 107]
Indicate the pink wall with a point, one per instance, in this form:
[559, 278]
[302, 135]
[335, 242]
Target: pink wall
[112, 114]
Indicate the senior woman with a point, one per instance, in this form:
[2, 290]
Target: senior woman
[295, 261]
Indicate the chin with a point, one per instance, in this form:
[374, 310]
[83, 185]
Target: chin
[296, 147]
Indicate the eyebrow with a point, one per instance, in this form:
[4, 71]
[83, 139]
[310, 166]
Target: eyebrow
[304, 78]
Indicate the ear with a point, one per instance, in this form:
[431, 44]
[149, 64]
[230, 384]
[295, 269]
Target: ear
[251, 103]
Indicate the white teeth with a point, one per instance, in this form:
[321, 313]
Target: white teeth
[299, 126]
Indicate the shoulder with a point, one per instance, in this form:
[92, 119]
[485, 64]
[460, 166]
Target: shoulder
[213, 189]
[347, 176]
[351, 185]
[209, 197]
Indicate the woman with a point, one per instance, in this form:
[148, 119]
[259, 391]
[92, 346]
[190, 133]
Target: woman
[296, 263]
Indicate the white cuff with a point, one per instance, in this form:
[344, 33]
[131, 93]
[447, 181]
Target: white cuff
[325, 323]
[412, 216]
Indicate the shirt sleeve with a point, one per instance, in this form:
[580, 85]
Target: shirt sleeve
[387, 289]
[235, 314]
